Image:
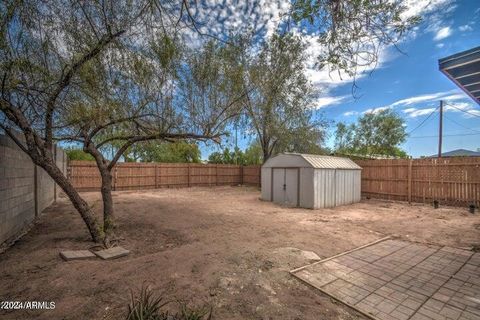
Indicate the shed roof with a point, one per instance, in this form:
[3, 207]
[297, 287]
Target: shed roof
[300, 160]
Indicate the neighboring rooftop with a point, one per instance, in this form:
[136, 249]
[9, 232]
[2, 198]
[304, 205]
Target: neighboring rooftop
[459, 153]
[310, 161]
[464, 69]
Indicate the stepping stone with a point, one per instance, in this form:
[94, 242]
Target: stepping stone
[310, 255]
[112, 253]
[76, 255]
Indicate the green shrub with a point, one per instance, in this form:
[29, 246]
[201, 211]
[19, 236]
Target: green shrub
[149, 306]
[78, 154]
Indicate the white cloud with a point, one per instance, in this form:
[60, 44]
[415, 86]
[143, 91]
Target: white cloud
[422, 7]
[376, 110]
[325, 80]
[414, 112]
[454, 101]
[465, 27]
[467, 109]
[440, 45]
[326, 101]
[350, 113]
[221, 17]
[442, 33]
[430, 98]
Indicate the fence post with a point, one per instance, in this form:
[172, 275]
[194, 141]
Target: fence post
[115, 178]
[241, 175]
[260, 176]
[216, 174]
[156, 173]
[188, 174]
[410, 181]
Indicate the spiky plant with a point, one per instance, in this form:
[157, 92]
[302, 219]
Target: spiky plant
[149, 306]
[194, 313]
[146, 306]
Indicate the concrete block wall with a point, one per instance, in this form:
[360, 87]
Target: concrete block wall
[25, 189]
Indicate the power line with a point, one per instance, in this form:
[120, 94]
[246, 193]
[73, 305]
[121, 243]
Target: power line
[461, 125]
[448, 135]
[472, 114]
[424, 120]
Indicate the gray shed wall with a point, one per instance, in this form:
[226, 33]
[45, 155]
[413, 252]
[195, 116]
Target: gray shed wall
[307, 199]
[336, 187]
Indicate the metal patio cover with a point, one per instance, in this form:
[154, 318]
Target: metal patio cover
[464, 69]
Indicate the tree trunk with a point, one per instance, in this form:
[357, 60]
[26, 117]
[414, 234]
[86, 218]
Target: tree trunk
[108, 217]
[81, 205]
[266, 154]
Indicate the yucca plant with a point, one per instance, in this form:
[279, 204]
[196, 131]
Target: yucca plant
[146, 306]
[195, 313]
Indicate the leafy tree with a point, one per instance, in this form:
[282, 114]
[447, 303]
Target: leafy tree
[280, 98]
[375, 133]
[216, 157]
[253, 154]
[106, 73]
[179, 152]
[227, 157]
[78, 154]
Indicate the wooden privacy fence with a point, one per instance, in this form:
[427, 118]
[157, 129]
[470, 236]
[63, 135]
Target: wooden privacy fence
[450, 181]
[133, 176]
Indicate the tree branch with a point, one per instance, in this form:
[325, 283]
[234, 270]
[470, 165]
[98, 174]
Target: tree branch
[67, 77]
[9, 132]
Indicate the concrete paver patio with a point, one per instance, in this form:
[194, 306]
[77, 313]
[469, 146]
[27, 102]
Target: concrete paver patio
[399, 280]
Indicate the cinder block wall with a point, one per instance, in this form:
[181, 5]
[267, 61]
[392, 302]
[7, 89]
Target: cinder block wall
[25, 189]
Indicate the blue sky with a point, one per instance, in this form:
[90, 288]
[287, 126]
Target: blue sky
[411, 83]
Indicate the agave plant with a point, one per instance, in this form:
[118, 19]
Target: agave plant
[146, 306]
[149, 306]
[195, 313]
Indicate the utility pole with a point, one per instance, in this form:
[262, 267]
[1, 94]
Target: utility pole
[440, 130]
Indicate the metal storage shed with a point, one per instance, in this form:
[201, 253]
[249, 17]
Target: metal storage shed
[310, 181]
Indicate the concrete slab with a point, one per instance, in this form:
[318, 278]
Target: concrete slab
[112, 253]
[401, 280]
[68, 255]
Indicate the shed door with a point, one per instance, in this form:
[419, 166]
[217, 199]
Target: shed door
[291, 192]
[277, 185]
[285, 186]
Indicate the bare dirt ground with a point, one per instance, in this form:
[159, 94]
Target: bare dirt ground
[221, 246]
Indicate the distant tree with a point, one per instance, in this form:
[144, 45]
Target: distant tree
[228, 157]
[375, 133]
[78, 154]
[305, 139]
[215, 157]
[253, 154]
[179, 151]
[280, 98]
